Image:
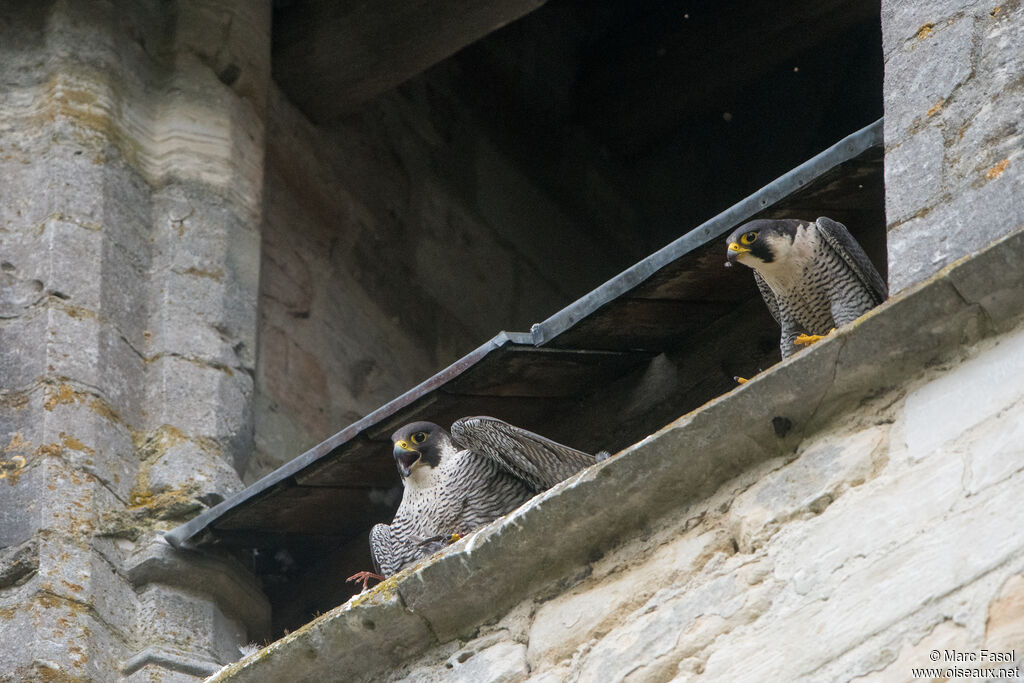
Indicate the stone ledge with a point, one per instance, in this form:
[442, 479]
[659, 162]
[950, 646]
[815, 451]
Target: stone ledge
[520, 555]
[169, 661]
[231, 586]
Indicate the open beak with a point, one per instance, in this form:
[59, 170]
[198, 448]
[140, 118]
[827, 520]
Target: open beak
[405, 457]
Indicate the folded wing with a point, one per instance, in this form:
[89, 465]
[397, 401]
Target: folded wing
[843, 243]
[538, 461]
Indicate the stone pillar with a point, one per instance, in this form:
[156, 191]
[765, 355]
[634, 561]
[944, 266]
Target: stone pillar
[954, 168]
[131, 148]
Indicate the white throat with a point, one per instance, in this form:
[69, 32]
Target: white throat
[791, 258]
[423, 476]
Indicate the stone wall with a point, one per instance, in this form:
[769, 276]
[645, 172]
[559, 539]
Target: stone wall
[131, 155]
[954, 162]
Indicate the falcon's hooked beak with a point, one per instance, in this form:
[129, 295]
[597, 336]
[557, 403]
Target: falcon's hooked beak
[735, 249]
[733, 253]
[405, 457]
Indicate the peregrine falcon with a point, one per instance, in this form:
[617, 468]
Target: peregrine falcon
[813, 276]
[456, 483]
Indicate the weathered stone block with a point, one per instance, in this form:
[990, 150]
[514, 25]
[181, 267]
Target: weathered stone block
[206, 267]
[913, 172]
[190, 322]
[551, 675]
[178, 622]
[23, 350]
[1004, 628]
[924, 73]
[59, 640]
[77, 251]
[915, 252]
[69, 502]
[380, 622]
[200, 400]
[93, 190]
[17, 294]
[222, 579]
[974, 281]
[167, 668]
[502, 662]
[970, 393]
[85, 351]
[20, 514]
[815, 548]
[90, 437]
[805, 487]
[19, 631]
[18, 563]
[77, 574]
[567, 622]
[904, 21]
[987, 146]
[1001, 60]
[869, 591]
[659, 624]
[187, 465]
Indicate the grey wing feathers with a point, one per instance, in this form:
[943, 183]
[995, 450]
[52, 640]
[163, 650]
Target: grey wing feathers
[538, 461]
[768, 295]
[842, 242]
[382, 548]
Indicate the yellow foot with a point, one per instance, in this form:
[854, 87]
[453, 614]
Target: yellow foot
[808, 339]
[455, 537]
[740, 380]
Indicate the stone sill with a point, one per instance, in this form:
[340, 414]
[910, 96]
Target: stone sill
[549, 540]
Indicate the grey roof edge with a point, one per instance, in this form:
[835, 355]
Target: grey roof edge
[180, 535]
[848, 148]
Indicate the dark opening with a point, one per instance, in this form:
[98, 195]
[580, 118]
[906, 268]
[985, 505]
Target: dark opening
[642, 119]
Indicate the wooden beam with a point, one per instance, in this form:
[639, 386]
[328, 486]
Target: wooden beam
[332, 55]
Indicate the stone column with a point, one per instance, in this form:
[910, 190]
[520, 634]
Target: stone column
[131, 147]
[954, 168]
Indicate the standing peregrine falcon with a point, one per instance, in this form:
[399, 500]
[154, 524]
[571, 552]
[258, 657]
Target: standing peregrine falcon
[456, 483]
[813, 276]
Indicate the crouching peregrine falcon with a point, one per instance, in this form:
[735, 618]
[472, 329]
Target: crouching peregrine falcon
[813, 276]
[456, 483]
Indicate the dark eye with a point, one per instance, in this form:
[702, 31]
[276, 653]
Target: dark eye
[748, 238]
[419, 437]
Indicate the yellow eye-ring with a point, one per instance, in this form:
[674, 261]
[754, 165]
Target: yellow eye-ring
[749, 238]
[419, 437]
